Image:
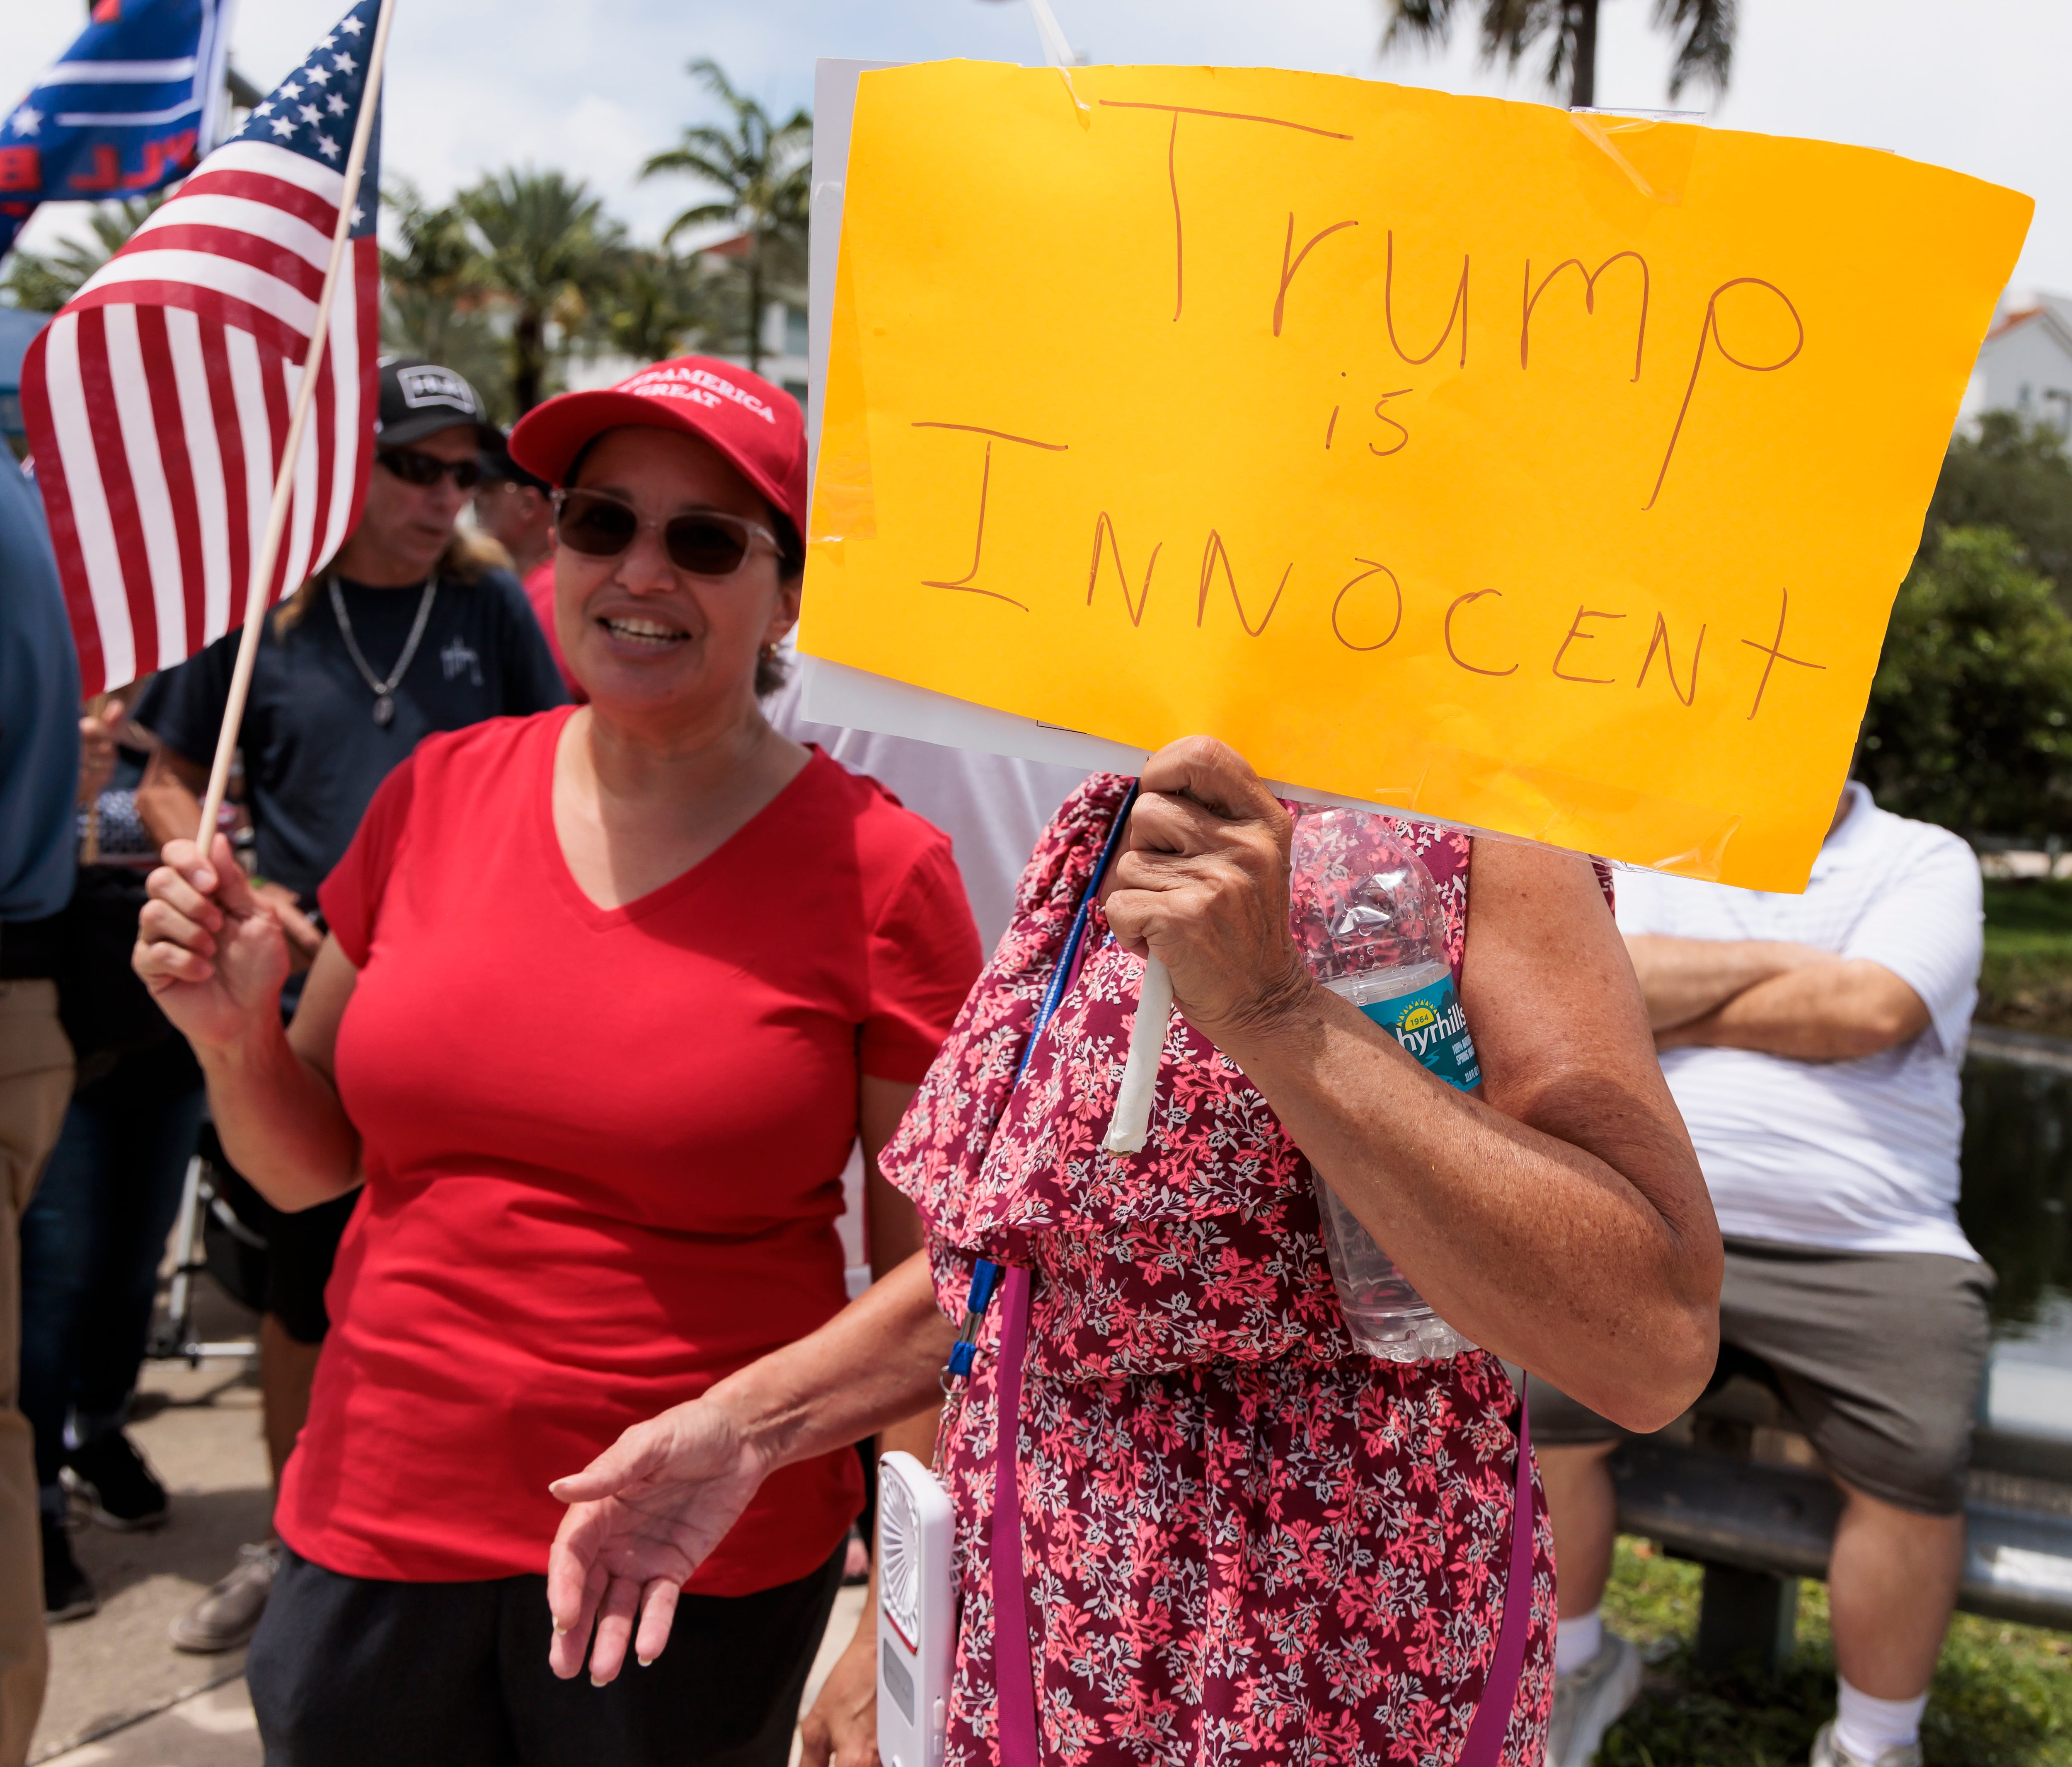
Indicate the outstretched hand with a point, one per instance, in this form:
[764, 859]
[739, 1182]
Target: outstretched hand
[642, 1516]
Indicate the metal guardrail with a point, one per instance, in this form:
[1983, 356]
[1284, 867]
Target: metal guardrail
[1779, 1522]
[1757, 1526]
[2025, 1049]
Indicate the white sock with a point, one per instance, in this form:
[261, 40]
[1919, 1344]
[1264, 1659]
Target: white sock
[1578, 1637]
[1865, 1727]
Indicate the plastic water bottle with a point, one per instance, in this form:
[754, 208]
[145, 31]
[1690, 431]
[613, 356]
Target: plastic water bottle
[1367, 914]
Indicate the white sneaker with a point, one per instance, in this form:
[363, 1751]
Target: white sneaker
[1589, 1700]
[1827, 1752]
[228, 1614]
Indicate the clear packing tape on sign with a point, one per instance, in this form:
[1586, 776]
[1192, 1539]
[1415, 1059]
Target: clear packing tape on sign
[1547, 473]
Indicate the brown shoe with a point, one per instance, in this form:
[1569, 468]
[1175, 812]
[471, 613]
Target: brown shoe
[228, 1615]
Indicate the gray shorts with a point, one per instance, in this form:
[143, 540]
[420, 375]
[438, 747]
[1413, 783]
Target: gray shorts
[1878, 1357]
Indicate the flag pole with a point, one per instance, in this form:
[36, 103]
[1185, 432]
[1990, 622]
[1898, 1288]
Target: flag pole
[277, 520]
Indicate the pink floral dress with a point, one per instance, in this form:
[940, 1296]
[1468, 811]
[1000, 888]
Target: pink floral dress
[1243, 1539]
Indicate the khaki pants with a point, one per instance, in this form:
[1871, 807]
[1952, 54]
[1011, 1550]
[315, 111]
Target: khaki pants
[35, 1086]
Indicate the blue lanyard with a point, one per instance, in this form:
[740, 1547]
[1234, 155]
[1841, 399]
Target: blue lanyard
[985, 1274]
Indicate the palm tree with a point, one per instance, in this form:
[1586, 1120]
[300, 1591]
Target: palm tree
[434, 301]
[659, 305]
[546, 251]
[42, 285]
[1705, 30]
[763, 171]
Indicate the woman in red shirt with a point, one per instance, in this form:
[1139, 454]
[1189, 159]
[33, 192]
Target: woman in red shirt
[607, 996]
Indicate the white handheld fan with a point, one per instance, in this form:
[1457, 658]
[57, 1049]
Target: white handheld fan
[916, 1613]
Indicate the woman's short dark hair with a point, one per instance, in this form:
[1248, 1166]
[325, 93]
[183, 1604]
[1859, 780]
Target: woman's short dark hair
[790, 550]
[772, 671]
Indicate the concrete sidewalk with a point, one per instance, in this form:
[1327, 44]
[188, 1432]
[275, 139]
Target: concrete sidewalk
[213, 1729]
[120, 1694]
[200, 1428]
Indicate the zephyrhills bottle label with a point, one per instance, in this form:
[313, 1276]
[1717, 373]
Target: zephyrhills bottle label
[1431, 1026]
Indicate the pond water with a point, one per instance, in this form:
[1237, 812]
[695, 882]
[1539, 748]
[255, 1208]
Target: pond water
[2016, 1209]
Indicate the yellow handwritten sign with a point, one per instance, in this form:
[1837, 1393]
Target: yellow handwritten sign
[1550, 474]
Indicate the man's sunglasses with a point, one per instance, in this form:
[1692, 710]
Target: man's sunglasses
[414, 467]
[707, 542]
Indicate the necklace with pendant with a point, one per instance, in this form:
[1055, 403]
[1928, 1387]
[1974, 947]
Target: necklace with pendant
[385, 691]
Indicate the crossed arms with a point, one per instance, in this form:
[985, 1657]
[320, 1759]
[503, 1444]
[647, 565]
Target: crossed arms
[1769, 995]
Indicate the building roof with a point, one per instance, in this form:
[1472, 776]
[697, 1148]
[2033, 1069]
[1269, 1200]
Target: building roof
[2053, 311]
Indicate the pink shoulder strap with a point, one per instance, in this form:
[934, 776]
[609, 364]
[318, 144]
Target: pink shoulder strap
[1014, 1647]
[1484, 1746]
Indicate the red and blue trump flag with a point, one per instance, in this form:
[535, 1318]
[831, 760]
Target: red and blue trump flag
[157, 401]
[134, 102]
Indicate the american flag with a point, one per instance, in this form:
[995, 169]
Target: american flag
[157, 401]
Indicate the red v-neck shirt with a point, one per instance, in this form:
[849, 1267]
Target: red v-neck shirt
[603, 1146]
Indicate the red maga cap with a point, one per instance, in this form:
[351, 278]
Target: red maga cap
[758, 428]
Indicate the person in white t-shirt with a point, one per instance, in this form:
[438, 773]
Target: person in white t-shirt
[993, 806]
[1813, 1043]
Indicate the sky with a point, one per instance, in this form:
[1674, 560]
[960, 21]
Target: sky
[593, 87]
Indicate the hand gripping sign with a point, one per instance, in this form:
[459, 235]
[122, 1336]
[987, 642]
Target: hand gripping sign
[1547, 473]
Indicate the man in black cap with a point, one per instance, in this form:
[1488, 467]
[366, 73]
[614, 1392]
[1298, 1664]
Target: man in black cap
[515, 509]
[408, 630]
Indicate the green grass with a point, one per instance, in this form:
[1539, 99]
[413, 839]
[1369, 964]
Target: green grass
[2030, 905]
[2026, 980]
[2002, 1695]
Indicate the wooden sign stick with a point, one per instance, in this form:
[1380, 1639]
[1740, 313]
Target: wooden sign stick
[277, 520]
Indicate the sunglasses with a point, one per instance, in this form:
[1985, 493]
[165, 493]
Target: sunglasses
[707, 542]
[423, 470]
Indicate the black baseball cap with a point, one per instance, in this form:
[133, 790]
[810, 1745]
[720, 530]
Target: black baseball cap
[497, 465]
[420, 398]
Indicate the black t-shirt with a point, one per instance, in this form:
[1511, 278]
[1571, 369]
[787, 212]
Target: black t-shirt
[313, 752]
